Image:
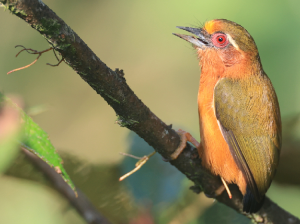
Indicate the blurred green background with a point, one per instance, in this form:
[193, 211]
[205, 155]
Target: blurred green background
[162, 70]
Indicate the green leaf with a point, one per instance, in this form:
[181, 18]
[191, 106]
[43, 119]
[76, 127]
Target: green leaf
[37, 141]
[33, 138]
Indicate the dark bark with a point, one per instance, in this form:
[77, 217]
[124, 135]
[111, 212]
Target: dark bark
[131, 111]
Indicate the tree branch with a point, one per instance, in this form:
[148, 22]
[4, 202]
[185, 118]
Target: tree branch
[131, 111]
[81, 202]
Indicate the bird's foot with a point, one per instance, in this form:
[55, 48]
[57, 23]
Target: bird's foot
[184, 138]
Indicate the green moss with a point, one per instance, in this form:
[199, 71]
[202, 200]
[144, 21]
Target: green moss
[63, 46]
[72, 50]
[109, 96]
[256, 218]
[14, 10]
[49, 26]
[85, 74]
[192, 164]
[200, 186]
[123, 122]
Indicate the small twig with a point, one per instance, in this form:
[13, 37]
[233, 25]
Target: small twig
[57, 63]
[55, 54]
[17, 69]
[129, 155]
[32, 51]
[29, 51]
[138, 165]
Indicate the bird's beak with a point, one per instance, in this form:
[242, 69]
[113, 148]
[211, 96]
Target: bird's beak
[199, 40]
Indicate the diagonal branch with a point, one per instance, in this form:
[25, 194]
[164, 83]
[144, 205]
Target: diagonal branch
[131, 111]
[81, 203]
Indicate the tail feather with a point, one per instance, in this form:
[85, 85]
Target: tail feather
[250, 204]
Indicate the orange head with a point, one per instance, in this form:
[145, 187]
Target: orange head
[225, 45]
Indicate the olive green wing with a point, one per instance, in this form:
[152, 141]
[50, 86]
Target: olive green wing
[248, 115]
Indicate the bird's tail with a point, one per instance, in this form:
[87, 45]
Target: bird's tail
[250, 204]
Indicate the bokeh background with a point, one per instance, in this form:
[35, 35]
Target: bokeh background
[163, 71]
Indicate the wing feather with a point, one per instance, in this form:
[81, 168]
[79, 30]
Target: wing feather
[248, 115]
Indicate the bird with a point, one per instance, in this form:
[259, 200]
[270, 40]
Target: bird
[239, 115]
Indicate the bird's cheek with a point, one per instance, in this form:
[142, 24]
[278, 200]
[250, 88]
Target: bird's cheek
[230, 57]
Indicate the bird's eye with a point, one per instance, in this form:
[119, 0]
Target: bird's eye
[220, 40]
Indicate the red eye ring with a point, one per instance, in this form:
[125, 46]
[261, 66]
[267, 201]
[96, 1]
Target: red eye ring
[220, 40]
